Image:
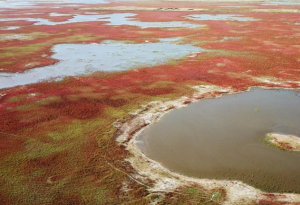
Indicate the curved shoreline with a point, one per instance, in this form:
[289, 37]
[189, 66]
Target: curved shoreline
[167, 181]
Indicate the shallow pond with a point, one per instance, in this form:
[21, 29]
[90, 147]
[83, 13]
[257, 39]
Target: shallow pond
[219, 17]
[84, 59]
[116, 19]
[283, 3]
[17, 4]
[224, 139]
[10, 27]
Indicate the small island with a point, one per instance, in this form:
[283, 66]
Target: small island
[284, 142]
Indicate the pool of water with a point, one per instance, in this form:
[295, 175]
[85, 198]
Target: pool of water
[224, 139]
[115, 19]
[10, 27]
[219, 17]
[84, 59]
[292, 3]
[17, 4]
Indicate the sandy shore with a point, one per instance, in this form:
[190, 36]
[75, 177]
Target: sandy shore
[165, 180]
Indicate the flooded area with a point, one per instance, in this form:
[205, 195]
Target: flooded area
[10, 27]
[284, 3]
[16, 4]
[116, 19]
[224, 138]
[219, 17]
[84, 59]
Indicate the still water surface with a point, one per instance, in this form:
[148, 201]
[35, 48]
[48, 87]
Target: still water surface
[84, 59]
[223, 138]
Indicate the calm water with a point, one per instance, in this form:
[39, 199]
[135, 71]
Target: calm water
[284, 3]
[10, 27]
[223, 139]
[115, 19]
[17, 4]
[219, 17]
[84, 59]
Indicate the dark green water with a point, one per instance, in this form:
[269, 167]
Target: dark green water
[222, 139]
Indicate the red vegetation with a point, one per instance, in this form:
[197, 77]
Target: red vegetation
[10, 144]
[265, 48]
[79, 109]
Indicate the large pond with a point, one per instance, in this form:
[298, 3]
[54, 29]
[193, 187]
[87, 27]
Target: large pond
[17, 4]
[224, 139]
[84, 59]
[293, 3]
[219, 17]
[115, 19]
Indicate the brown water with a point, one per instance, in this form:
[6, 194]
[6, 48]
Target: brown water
[223, 139]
